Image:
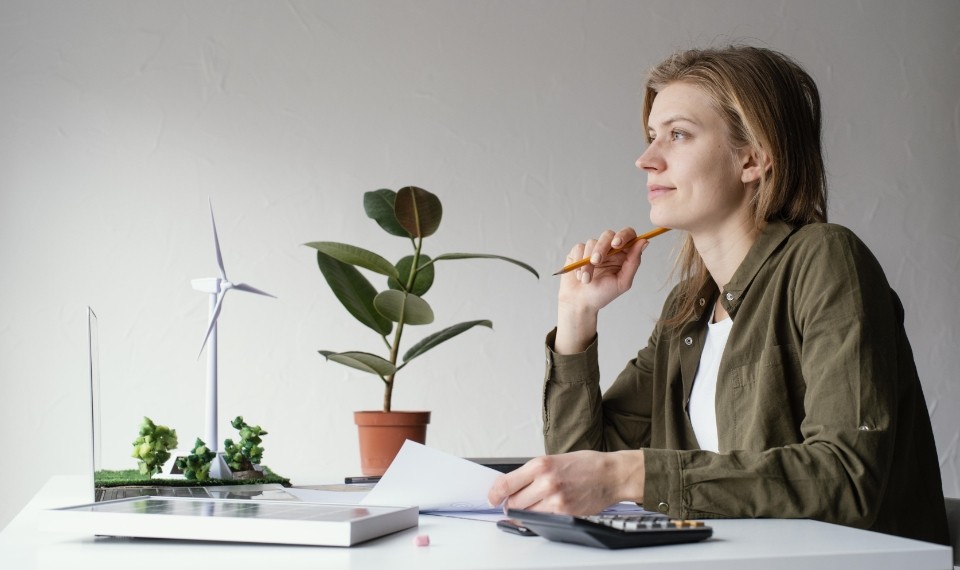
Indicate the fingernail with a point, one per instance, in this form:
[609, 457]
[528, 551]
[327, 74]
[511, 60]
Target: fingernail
[585, 279]
[595, 258]
[616, 242]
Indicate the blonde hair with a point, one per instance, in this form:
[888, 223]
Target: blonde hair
[771, 104]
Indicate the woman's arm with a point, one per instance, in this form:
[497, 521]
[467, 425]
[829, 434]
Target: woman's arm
[587, 481]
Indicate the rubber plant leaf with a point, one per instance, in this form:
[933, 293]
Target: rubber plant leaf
[442, 336]
[355, 293]
[354, 255]
[418, 211]
[399, 306]
[421, 283]
[484, 256]
[370, 363]
[379, 207]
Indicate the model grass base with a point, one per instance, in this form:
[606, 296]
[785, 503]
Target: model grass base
[133, 477]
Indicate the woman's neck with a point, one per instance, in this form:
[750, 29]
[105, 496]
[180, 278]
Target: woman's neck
[723, 251]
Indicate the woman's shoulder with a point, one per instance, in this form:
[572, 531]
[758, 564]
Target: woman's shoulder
[824, 230]
[817, 236]
[827, 244]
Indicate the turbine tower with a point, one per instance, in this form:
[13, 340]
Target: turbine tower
[217, 288]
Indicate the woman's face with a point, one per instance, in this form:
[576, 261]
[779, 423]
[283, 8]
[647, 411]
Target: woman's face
[695, 178]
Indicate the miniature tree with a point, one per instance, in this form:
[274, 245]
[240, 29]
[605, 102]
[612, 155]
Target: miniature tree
[244, 455]
[152, 447]
[196, 466]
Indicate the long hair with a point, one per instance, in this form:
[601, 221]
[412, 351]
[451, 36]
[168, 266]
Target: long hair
[769, 103]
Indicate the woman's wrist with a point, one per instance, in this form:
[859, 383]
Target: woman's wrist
[576, 327]
[629, 474]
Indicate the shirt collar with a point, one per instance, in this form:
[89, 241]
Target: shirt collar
[774, 233]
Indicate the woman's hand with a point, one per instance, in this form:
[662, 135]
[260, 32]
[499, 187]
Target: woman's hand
[584, 291]
[577, 483]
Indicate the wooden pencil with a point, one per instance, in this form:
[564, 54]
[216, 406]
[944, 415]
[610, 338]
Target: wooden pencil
[586, 260]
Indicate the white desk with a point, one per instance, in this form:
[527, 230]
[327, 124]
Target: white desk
[458, 544]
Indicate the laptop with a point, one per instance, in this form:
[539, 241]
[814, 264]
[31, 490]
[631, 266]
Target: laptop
[263, 513]
[264, 491]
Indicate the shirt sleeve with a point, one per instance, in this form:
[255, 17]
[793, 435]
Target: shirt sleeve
[576, 416]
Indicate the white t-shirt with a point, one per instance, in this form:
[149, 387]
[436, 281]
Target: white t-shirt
[703, 396]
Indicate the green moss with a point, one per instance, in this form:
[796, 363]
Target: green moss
[133, 477]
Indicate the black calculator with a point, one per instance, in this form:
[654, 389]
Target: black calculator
[615, 530]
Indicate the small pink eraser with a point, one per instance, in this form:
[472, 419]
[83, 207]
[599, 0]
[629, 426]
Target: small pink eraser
[422, 540]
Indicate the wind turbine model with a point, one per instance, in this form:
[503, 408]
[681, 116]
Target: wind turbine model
[217, 287]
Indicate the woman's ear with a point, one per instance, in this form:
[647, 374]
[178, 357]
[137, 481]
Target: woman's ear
[755, 162]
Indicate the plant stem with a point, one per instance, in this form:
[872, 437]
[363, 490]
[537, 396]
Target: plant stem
[395, 349]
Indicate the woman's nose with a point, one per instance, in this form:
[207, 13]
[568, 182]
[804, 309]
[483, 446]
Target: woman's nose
[650, 160]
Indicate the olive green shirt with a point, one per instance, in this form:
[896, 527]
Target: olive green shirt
[820, 413]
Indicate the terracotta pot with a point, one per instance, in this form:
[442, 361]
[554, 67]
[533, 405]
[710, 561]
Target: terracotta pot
[382, 435]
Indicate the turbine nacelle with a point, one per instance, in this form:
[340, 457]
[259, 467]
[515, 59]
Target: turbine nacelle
[210, 285]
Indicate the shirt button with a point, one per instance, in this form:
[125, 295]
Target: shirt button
[663, 507]
[688, 341]
[864, 427]
[703, 301]
[730, 296]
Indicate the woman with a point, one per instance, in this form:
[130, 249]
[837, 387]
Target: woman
[778, 381]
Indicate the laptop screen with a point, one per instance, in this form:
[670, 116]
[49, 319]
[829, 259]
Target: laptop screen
[93, 346]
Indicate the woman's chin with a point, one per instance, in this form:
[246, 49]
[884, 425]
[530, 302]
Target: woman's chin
[658, 219]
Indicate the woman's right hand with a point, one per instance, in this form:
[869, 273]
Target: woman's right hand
[584, 291]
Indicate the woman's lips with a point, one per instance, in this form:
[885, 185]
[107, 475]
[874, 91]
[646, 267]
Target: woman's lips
[654, 191]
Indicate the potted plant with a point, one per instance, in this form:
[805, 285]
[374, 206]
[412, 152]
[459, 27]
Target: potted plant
[411, 213]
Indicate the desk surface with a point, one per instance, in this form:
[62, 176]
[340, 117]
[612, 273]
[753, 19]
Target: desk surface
[459, 544]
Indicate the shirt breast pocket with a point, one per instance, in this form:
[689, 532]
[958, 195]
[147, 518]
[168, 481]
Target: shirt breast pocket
[764, 402]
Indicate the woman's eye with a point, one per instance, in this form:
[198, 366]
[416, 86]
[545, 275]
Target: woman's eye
[675, 135]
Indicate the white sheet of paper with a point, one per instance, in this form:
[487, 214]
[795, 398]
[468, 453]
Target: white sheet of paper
[433, 480]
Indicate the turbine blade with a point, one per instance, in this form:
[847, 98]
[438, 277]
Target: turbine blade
[216, 244]
[249, 289]
[213, 319]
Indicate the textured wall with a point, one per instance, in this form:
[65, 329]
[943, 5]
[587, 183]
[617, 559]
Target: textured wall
[119, 119]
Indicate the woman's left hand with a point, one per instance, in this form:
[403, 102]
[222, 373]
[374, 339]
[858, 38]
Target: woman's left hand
[577, 483]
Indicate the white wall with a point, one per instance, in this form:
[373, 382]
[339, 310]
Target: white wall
[119, 119]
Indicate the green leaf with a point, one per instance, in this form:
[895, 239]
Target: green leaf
[370, 363]
[442, 336]
[354, 255]
[355, 293]
[486, 256]
[397, 306]
[423, 280]
[379, 207]
[418, 211]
